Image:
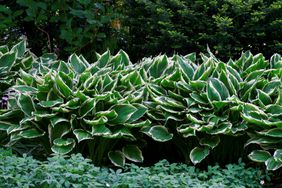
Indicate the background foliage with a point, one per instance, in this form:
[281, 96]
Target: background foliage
[61, 26]
[144, 27]
[182, 26]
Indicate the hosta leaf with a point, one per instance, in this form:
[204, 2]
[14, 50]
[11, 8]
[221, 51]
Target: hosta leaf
[110, 114]
[194, 120]
[20, 48]
[63, 146]
[81, 135]
[211, 142]
[276, 132]
[185, 67]
[133, 153]
[259, 156]
[158, 67]
[139, 124]
[216, 90]
[76, 63]
[104, 59]
[51, 103]
[141, 110]
[100, 130]
[124, 111]
[197, 84]
[25, 89]
[117, 158]
[100, 121]
[7, 60]
[159, 133]
[56, 120]
[31, 133]
[62, 87]
[264, 97]
[5, 125]
[186, 130]
[198, 154]
[272, 164]
[86, 107]
[278, 155]
[26, 104]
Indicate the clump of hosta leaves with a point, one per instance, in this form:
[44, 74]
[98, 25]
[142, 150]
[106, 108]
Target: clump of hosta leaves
[68, 106]
[108, 107]
[213, 98]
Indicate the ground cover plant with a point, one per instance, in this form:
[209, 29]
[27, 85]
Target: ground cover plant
[111, 108]
[76, 171]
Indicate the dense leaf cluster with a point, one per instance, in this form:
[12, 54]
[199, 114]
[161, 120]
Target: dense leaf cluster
[144, 27]
[77, 171]
[113, 108]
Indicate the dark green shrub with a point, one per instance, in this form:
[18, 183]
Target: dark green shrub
[182, 26]
[78, 172]
[62, 27]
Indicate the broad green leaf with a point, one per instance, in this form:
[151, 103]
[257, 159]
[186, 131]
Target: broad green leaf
[211, 142]
[52, 103]
[139, 124]
[141, 110]
[63, 146]
[160, 133]
[100, 130]
[57, 119]
[117, 158]
[264, 97]
[25, 89]
[110, 114]
[76, 63]
[276, 132]
[86, 107]
[26, 104]
[194, 120]
[20, 48]
[185, 67]
[186, 130]
[62, 87]
[259, 156]
[104, 59]
[124, 111]
[100, 121]
[216, 90]
[5, 125]
[272, 164]
[31, 133]
[198, 154]
[278, 155]
[81, 135]
[7, 60]
[158, 67]
[133, 153]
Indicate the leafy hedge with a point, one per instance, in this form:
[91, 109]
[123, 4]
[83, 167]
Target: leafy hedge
[113, 108]
[143, 27]
[78, 172]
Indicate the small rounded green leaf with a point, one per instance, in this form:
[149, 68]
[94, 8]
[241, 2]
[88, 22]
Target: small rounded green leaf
[117, 158]
[198, 154]
[133, 153]
[259, 156]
